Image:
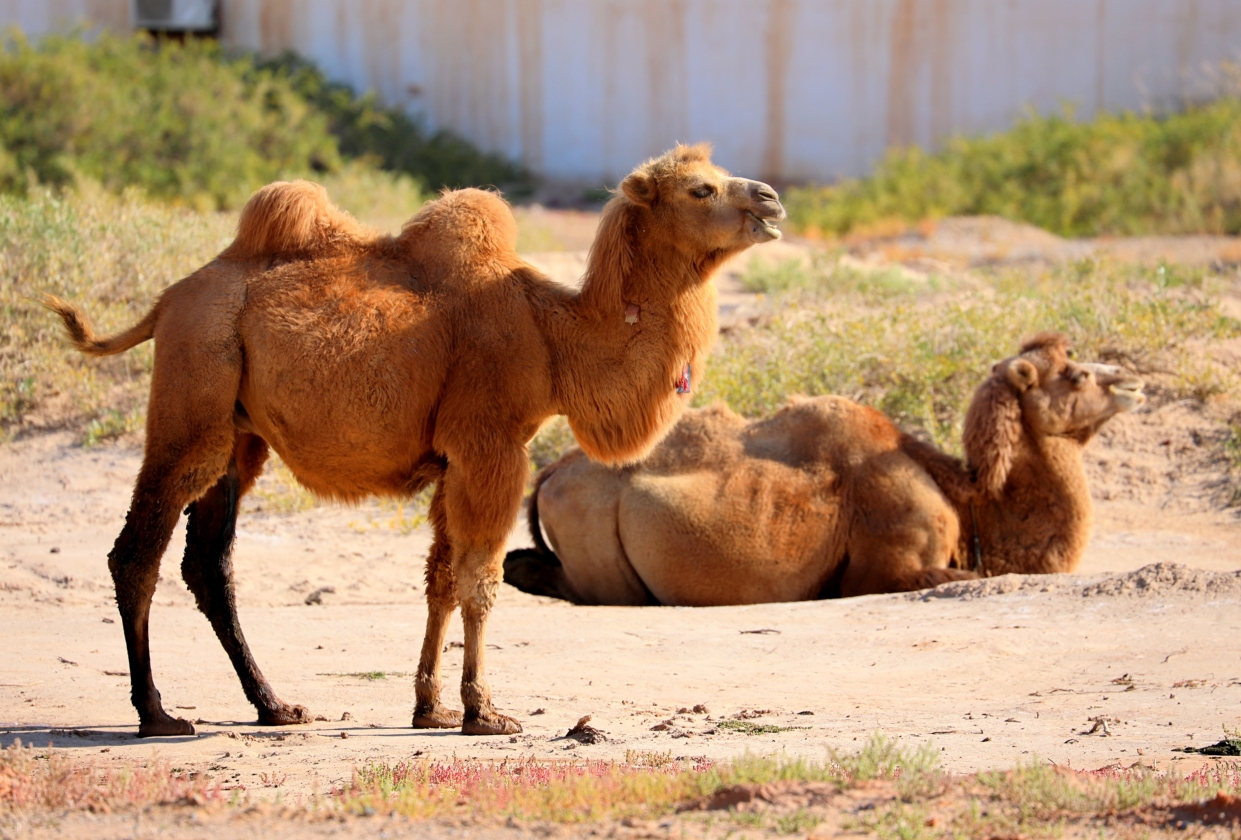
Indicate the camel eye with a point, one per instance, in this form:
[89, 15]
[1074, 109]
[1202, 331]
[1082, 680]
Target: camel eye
[705, 191]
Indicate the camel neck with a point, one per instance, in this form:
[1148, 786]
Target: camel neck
[644, 318]
[1041, 521]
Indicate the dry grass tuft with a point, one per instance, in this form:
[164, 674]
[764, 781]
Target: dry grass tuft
[45, 780]
[111, 255]
[892, 792]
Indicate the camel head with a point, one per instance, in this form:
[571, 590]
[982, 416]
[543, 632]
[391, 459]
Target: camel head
[699, 208]
[1047, 394]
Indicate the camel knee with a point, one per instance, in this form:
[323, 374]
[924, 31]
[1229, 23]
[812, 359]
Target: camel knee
[477, 595]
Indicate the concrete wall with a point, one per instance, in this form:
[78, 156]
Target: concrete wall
[785, 89]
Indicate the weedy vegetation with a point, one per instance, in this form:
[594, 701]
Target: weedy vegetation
[884, 789]
[50, 781]
[916, 346]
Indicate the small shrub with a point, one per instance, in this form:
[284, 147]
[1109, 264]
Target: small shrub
[278, 491]
[551, 441]
[766, 277]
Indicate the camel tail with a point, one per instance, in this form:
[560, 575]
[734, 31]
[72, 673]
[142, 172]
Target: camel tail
[949, 473]
[83, 336]
[537, 571]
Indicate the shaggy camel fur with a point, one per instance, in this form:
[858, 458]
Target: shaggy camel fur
[376, 365]
[828, 498]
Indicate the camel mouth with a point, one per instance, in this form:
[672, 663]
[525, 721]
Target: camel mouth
[1128, 393]
[762, 230]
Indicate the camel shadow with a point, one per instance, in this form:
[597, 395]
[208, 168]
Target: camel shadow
[42, 736]
[72, 737]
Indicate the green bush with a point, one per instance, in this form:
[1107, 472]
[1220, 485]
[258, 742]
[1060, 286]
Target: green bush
[191, 124]
[181, 122]
[1122, 174]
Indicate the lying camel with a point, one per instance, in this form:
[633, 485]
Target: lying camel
[376, 365]
[828, 498]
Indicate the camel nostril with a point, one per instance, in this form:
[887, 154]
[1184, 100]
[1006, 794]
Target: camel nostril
[766, 193]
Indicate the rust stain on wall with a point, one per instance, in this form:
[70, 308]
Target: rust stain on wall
[275, 26]
[110, 14]
[667, 92]
[530, 93]
[902, 73]
[778, 53]
[943, 48]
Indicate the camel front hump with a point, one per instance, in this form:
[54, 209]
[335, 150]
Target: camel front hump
[758, 533]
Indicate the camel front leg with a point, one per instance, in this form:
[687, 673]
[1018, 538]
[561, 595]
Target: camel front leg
[429, 711]
[478, 595]
[481, 502]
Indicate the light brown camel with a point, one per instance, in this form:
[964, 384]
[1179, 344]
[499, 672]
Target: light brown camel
[375, 365]
[828, 498]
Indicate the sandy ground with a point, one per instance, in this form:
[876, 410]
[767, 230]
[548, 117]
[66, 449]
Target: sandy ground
[1147, 637]
[992, 672]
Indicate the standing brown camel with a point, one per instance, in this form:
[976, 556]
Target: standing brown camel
[375, 365]
[828, 498]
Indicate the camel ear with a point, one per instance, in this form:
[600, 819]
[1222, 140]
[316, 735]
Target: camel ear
[992, 429]
[1022, 375]
[639, 187]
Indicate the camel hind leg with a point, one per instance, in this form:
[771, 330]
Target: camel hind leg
[165, 485]
[904, 533]
[208, 572]
[429, 710]
[189, 442]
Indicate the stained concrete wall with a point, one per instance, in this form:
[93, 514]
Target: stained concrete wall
[785, 89]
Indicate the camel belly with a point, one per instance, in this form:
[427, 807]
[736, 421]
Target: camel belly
[342, 386]
[746, 537]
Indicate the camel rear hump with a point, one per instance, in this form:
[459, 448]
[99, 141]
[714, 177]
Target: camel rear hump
[291, 219]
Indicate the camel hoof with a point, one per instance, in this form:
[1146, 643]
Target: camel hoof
[164, 726]
[285, 715]
[438, 718]
[495, 724]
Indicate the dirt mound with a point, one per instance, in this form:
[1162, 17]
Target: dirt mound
[1167, 579]
[1156, 580]
[1172, 457]
[972, 590]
